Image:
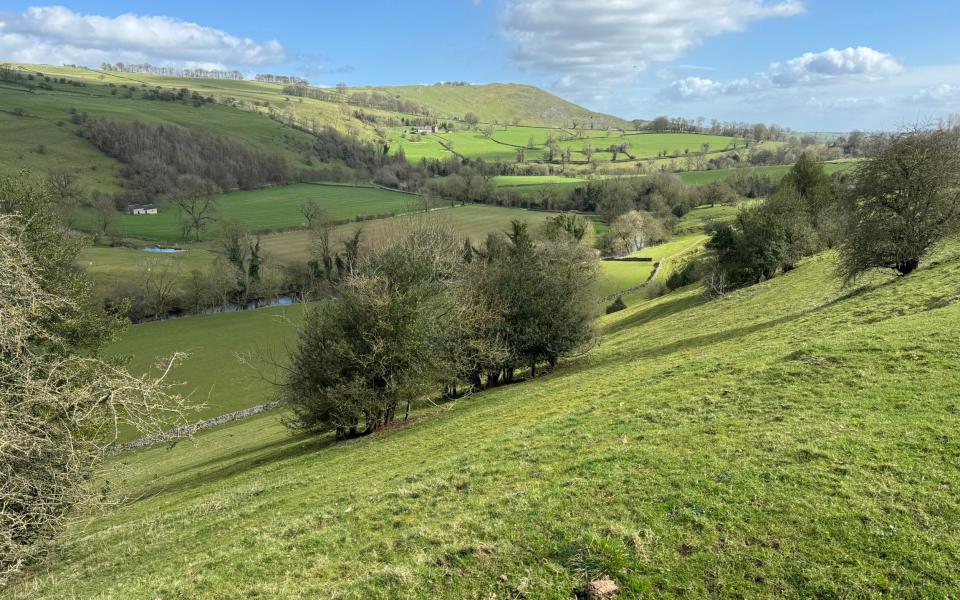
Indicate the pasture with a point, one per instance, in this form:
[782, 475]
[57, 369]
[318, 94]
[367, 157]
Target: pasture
[472, 221]
[213, 376]
[112, 268]
[264, 209]
[687, 456]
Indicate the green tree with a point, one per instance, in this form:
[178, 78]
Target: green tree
[906, 199]
[379, 344]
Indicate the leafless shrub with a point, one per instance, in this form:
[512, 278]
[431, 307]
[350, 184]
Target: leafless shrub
[59, 411]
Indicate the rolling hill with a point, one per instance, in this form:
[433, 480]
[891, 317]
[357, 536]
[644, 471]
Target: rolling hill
[505, 103]
[688, 455]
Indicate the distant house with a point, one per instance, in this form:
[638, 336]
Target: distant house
[141, 209]
[423, 130]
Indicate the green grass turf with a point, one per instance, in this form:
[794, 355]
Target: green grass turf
[213, 375]
[264, 209]
[795, 439]
[249, 96]
[648, 145]
[617, 276]
[503, 102]
[775, 172]
[530, 185]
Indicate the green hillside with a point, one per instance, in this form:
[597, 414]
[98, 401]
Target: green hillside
[687, 455]
[506, 103]
[37, 132]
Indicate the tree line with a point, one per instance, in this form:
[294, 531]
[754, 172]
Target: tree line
[167, 161]
[426, 315]
[148, 69]
[898, 203]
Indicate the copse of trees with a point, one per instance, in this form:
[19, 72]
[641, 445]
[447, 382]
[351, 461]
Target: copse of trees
[377, 345]
[902, 199]
[149, 69]
[755, 131]
[547, 293]
[156, 157]
[773, 236]
[425, 314]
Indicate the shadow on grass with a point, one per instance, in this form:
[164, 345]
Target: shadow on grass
[657, 311]
[208, 472]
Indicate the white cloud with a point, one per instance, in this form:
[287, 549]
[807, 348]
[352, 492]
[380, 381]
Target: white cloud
[605, 42]
[850, 65]
[55, 34]
[820, 67]
[945, 92]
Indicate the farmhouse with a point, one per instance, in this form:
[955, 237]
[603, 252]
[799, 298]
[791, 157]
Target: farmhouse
[141, 209]
[422, 130]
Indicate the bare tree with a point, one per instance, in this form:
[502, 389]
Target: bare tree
[312, 211]
[66, 189]
[159, 278]
[105, 210]
[60, 406]
[196, 204]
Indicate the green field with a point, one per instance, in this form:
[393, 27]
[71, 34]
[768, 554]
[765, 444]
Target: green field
[113, 267]
[502, 145]
[649, 145]
[525, 180]
[775, 172]
[619, 276]
[214, 340]
[472, 221]
[689, 455]
[265, 209]
[213, 375]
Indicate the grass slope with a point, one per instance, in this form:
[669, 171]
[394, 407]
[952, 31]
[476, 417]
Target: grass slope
[504, 103]
[264, 209]
[794, 439]
[46, 122]
[214, 375]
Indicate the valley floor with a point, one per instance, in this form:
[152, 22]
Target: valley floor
[794, 439]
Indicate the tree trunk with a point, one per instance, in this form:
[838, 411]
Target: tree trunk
[907, 266]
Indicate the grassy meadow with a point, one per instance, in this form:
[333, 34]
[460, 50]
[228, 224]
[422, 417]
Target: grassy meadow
[264, 209]
[472, 221]
[501, 102]
[618, 276]
[503, 144]
[688, 455]
[213, 376]
[111, 268]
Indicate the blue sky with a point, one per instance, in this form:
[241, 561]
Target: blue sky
[807, 64]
